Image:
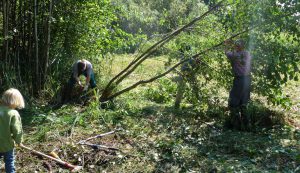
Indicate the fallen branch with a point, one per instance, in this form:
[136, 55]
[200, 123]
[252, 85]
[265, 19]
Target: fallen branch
[97, 136]
[96, 146]
[73, 168]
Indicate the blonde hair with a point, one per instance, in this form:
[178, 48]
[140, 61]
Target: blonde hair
[13, 98]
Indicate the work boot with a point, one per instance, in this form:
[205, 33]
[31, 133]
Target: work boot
[246, 124]
[246, 119]
[235, 118]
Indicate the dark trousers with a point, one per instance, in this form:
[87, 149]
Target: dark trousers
[240, 92]
[73, 81]
[238, 99]
[67, 90]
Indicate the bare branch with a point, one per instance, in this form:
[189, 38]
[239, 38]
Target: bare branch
[136, 62]
[97, 136]
[97, 146]
[172, 68]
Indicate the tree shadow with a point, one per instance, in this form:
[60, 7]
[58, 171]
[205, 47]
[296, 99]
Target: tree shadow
[34, 115]
[198, 142]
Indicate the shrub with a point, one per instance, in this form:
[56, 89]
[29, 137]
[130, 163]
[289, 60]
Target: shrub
[163, 92]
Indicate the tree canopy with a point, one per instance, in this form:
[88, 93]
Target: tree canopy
[40, 39]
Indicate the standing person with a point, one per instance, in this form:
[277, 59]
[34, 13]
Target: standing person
[10, 126]
[80, 67]
[239, 96]
[187, 75]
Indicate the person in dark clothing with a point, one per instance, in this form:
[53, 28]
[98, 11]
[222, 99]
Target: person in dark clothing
[239, 95]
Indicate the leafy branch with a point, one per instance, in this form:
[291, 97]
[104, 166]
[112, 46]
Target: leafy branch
[106, 95]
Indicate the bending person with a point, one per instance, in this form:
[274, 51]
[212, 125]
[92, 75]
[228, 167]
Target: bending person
[82, 67]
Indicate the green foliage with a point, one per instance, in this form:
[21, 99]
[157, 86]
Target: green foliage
[162, 93]
[273, 42]
[156, 17]
[84, 30]
[155, 137]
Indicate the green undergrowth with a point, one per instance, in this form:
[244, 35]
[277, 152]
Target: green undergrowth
[153, 136]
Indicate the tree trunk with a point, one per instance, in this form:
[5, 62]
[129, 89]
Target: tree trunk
[19, 40]
[37, 76]
[47, 45]
[5, 29]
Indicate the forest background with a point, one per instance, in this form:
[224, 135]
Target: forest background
[40, 40]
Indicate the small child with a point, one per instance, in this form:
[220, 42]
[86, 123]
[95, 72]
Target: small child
[10, 126]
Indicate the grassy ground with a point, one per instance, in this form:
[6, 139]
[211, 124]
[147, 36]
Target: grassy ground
[155, 137]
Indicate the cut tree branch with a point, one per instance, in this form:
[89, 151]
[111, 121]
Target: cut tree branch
[136, 62]
[173, 67]
[106, 95]
[97, 146]
[97, 136]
